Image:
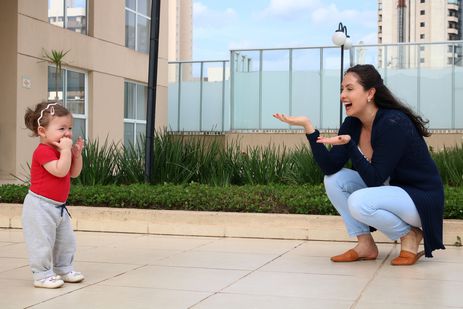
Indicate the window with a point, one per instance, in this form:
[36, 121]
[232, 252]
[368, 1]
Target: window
[453, 25]
[135, 96]
[137, 24]
[422, 1]
[422, 48]
[422, 36]
[421, 60]
[70, 87]
[422, 24]
[69, 14]
[422, 12]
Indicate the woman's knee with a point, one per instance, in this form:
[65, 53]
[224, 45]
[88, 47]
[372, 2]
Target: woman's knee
[346, 180]
[334, 179]
[328, 181]
[358, 205]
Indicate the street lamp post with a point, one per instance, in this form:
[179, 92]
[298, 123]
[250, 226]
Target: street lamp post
[341, 38]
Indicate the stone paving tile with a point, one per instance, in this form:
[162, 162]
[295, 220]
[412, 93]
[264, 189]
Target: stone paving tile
[104, 297]
[157, 271]
[233, 301]
[178, 278]
[218, 260]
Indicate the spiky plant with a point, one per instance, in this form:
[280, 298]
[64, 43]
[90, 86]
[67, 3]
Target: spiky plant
[55, 57]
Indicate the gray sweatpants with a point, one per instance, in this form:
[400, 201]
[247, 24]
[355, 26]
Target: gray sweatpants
[49, 237]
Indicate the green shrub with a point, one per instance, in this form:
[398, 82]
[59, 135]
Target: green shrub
[13, 193]
[193, 174]
[303, 168]
[99, 164]
[181, 160]
[453, 203]
[449, 161]
[274, 198]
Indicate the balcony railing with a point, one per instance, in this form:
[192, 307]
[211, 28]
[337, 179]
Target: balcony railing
[243, 93]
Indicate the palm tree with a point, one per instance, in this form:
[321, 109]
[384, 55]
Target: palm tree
[55, 57]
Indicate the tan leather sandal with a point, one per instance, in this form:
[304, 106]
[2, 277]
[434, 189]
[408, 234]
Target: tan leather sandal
[350, 256]
[407, 258]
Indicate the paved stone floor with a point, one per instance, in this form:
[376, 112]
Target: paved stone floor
[150, 271]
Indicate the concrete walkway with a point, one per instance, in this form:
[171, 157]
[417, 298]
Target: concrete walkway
[153, 271]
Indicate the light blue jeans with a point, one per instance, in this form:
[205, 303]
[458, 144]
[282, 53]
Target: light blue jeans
[389, 209]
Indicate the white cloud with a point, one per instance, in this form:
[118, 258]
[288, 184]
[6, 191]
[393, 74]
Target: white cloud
[330, 13]
[199, 8]
[248, 24]
[203, 16]
[288, 8]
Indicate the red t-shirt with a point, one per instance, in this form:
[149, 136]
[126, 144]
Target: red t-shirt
[42, 182]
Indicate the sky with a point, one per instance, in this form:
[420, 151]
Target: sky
[221, 25]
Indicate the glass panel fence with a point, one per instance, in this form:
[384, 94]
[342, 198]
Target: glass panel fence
[246, 81]
[275, 88]
[458, 87]
[199, 96]
[306, 81]
[213, 111]
[330, 88]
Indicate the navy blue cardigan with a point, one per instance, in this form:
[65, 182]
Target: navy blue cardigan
[399, 153]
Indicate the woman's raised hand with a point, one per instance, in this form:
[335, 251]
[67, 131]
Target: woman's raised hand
[301, 121]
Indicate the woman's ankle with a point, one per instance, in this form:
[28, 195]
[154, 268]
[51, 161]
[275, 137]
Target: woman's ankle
[411, 241]
[366, 246]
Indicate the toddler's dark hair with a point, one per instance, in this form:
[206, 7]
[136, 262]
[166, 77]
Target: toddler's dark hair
[32, 115]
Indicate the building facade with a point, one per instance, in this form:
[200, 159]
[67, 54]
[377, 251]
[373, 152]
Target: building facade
[180, 30]
[402, 21]
[105, 71]
[180, 36]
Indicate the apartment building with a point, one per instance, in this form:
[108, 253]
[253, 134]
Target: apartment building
[180, 30]
[401, 21]
[180, 36]
[105, 72]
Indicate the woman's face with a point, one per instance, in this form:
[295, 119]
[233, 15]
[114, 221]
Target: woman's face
[353, 96]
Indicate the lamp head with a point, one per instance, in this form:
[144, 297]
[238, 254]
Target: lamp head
[338, 37]
[347, 42]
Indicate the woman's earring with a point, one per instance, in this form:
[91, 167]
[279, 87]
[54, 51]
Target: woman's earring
[368, 100]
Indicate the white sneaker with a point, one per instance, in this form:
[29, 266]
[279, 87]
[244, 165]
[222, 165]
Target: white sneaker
[52, 282]
[72, 277]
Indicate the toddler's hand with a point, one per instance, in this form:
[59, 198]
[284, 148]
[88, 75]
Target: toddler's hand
[78, 147]
[64, 143]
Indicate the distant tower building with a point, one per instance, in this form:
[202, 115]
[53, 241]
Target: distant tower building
[180, 30]
[180, 35]
[419, 21]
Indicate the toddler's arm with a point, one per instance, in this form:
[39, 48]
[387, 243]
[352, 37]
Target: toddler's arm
[60, 167]
[76, 165]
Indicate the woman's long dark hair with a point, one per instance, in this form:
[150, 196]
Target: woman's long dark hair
[369, 78]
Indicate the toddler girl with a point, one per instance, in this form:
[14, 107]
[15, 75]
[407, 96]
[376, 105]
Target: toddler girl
[46, 221]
